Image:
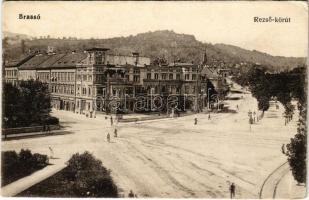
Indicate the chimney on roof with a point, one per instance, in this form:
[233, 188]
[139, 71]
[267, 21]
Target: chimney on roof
[136, 56]
[50, 50]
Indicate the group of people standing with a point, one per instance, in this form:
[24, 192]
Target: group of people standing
[115, 135]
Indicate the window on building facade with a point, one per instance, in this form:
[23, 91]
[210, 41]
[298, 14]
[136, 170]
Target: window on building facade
[90, 78]
[187, 89]
[84, 77]
[178, 76]
[170, 76]
[163, 76]
[98, 57]
[156, 76]
[136, 78]
[187, 77]
[149, 76]
[194, 77]
[99, 91]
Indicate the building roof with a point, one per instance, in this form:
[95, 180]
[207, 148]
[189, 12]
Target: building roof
[69, 60]
[127, 60]
[97, 49]
[34, 62]
[19, 61]
[182, 64]
[50, 61]
[209, 73]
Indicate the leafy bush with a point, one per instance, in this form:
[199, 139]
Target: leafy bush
[27, 104]
[15, 166]
[40, 160]
[51, 120]
[83, 177]
[89, 176]
[297, 149]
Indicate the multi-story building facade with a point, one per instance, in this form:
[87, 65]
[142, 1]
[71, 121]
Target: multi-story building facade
[11, 69]
[96, 81]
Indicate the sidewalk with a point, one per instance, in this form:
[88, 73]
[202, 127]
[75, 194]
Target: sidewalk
[33, 134]
[22, 184]
[287, 188]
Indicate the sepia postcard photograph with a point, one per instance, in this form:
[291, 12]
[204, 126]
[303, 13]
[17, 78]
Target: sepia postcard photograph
[169, 99]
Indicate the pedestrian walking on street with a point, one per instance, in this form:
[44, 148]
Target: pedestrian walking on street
[237, 107]
[108, 138]
[208, 116]
[51, 153]
[131, 194]
[195, 121]
[48, 129]
[115, 133]
[44, 128]
[283, 148]
[232, 190]
[111, 121]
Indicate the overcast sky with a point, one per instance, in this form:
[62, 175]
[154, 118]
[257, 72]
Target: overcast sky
[214, 22]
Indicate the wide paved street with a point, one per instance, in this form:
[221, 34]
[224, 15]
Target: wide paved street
[174, 157]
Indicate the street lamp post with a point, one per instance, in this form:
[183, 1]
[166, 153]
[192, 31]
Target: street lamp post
[208, 98]
[151, 99]
[250, 119]
[203, 95]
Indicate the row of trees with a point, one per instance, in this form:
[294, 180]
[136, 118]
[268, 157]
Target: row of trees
[284, 86]
[27, 104]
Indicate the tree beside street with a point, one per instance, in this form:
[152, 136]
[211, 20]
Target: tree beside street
[27, 104]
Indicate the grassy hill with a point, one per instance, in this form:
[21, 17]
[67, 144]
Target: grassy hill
[167, 44]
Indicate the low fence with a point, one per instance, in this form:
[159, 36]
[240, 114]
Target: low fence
[9, 131]
[135, 119]
[153, 117]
